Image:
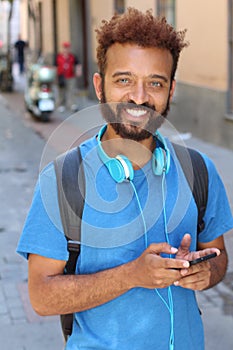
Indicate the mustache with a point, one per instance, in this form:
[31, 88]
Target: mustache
[131, 104]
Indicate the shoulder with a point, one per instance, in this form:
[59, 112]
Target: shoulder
[59, 56]
[47, 171]
[88, 145]
[47, 181]
[196, 163]
[184, 152]
[211, 167]
[73, 57]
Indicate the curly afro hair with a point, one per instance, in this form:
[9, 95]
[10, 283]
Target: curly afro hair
[141, 29]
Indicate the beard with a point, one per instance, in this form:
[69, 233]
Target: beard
[112, 113]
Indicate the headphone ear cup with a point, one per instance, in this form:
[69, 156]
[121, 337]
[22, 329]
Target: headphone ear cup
[127, 166]
[159, 161]
[120, 168]
[116, 170]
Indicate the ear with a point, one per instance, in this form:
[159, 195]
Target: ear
[172, 90]
[97, 82]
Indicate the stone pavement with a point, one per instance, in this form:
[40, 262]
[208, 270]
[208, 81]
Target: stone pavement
[20, 152]
[20, 327]
[216, 304]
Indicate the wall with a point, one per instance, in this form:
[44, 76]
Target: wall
[201, 112]
[63, 25]
[4, 10]
[200, 103]
[99, 10]
[47, 27]
[141, 5]
[23, 25]
[204, 62]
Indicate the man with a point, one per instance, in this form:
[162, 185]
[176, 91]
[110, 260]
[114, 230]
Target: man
[134, 287]
[68, 68]
[20, 46]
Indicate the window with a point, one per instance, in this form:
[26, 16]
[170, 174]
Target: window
[166, 8]
[119, 6]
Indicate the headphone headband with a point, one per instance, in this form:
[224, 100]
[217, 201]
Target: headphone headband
[103, 156]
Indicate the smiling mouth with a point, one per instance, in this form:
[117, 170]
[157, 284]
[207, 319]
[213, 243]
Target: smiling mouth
[136, 112]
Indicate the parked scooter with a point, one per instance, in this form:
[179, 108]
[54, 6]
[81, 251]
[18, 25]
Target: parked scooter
[40, 93]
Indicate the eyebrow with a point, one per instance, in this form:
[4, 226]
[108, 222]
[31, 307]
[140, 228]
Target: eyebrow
[117, 74]
[152, 76]
[158, 76]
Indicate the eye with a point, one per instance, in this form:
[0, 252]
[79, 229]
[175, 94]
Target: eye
[123, 81]
[156, 83]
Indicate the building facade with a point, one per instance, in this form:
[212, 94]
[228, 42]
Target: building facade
[203, 101]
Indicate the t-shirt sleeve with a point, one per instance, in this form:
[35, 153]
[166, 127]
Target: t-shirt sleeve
[42, 232]
[218, 217]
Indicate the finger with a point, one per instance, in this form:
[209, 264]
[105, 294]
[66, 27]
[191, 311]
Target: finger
[158, 248]
[208, 251]
[202, 253]
[192, 270]
[177, 264]
[192, 282]
[185, 244]
[189, 275]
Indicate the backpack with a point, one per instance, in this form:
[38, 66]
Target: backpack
[71, 188]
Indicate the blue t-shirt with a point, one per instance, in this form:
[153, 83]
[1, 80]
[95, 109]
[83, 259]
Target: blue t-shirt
[119, 221]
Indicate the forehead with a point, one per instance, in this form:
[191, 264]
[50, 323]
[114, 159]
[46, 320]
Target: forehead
[138, 60]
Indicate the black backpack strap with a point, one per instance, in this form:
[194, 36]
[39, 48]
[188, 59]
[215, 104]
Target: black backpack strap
[71, 191]
[196, 174]
[71, 196]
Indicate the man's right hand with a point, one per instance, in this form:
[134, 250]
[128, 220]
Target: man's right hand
[151, 270]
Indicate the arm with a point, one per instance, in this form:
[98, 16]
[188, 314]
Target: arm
[51, 292]
[206, 274]
[78, 70]
[217, 266]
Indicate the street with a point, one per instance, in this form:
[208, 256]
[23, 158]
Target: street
[26, 145]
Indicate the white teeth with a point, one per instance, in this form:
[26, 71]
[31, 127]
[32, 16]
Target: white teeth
[136, 112]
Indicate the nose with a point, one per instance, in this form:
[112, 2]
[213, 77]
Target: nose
[138, 94]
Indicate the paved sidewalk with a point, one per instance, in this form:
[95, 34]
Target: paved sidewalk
[217, 303]
[20, 327]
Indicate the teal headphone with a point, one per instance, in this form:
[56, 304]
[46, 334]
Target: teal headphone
[120, 167]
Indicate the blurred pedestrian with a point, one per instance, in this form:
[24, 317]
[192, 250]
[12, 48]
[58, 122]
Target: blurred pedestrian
[68, 68]
[20, 46]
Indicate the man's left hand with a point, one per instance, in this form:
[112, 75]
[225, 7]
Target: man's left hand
[196, 277]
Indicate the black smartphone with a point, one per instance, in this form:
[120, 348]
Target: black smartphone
[203, 258]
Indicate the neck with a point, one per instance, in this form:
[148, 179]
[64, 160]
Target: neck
[138, 152]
